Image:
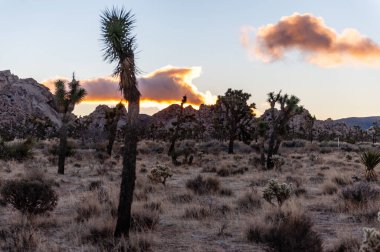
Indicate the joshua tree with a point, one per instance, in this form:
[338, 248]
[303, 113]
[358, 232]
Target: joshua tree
[120, 46]
[112, 119]
[236, 115]
[279, 120]
[172, 152]
[65, 102]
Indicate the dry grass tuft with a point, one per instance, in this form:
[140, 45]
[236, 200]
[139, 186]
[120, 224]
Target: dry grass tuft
[201, 186]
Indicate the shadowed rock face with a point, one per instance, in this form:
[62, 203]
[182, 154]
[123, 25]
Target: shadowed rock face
[22, 102]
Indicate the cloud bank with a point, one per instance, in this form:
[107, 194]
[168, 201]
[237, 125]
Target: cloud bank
[164, 86]
[318, 43]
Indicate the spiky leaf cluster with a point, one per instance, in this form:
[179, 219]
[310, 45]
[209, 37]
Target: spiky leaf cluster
[370, 160]
[119, 44]
[65, 100]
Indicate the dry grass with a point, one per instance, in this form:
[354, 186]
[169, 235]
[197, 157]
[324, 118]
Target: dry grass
[204, 207]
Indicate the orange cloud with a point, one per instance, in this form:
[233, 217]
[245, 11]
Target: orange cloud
[160, 88]
[320, 44]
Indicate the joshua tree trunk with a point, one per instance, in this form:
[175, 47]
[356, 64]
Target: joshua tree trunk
[232, 137]
[62, 145]
[172, 151]
[112, 137]
[262, 152]
[271, 148]
[231, 145]
[128, 176]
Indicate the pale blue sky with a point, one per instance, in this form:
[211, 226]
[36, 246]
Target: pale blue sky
[47, 38]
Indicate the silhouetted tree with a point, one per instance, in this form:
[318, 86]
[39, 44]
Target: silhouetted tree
[236, 115]
[65, 102]
[309, 123]
[288, 107]
[120, 46]
[177, 131]
[112, 119]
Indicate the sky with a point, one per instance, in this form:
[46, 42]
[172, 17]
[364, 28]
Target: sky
[325, 52]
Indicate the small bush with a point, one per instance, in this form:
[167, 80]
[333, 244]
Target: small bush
[280, 192]
[18, 150]
[87, 209]
[360, 194]
[329, 188]
[181, 198]
[200, 186]
[249, 202]
[345, 244]
[286, 231]
[70, 149]
[144, 220]
[29, 196]
[160, 174]
[371, 239]
[224, 191]
[197, 213]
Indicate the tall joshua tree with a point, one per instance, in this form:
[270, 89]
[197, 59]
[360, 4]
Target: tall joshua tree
[65, 101]
[119, 47]
[288, 108]
[112, 119]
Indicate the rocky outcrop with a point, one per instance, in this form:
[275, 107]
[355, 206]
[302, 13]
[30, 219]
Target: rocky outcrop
[25, 107]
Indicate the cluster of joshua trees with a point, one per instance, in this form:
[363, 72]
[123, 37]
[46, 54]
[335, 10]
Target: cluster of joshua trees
[233, 114]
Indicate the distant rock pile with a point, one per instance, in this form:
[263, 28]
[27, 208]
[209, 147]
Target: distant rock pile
[26, 107]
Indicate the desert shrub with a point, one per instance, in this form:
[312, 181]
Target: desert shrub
[329, 188]
[197, 212]
[341, 179]
[200, 186]
[227, 171]
[19, 239]
[297, 182]
[95, 185]
[181, 198]
[149, 147]
[70, 149]
[294, 144]
[278, 162]
[345, 244]
[249, 202]
[286, 231]
[280, 192]
[88, 208]
[18, 150]
[144, 219]
[370, 160]
[212, 147]
[325, 150]
[160, 174]
[153, 206]
[371, 239]
[29, 196]
[224, 191]
[360, 194]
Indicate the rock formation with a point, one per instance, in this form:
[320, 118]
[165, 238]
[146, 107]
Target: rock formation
[25, 107]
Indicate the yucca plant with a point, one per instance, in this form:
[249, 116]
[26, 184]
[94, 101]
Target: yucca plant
[370, 159]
